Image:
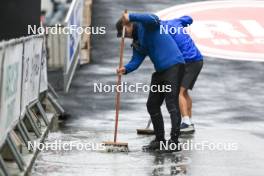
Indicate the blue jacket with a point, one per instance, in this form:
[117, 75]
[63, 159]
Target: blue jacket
[161, 48]
[185, 43]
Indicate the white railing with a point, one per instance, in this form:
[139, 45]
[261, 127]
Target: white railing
[64, 49]
[23, 77]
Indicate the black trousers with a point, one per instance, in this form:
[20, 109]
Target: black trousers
[171, 77]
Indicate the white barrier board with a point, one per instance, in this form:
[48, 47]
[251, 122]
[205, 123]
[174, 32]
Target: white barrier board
[11, 85]
[28, 54]
[43, 71]
[35, 68]
[31, 71]
[2, 119]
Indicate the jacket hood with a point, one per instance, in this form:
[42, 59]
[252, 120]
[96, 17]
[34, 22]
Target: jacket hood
[186, 20]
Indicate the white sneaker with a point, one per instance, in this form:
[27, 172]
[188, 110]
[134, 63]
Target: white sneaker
[187, 129]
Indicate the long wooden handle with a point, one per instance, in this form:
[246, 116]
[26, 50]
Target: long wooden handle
[117, 102]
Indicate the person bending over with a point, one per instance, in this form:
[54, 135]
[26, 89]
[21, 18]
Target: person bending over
[168, 62]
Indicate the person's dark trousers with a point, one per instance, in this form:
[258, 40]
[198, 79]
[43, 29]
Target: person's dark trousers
[171, 77]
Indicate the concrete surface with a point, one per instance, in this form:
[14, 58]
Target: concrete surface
[29, 157]
[228, 108]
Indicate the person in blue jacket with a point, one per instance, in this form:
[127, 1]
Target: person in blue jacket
[193, 66]
[168, 62]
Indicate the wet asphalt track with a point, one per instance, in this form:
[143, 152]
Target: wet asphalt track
[228, 107]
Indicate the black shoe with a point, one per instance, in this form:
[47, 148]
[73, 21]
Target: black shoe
[187, 129]
[171, 146]
[154, 145]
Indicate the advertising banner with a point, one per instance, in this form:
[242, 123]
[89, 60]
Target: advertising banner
[43, 70]
[74, 23]
[31, 71]
[2, 119]
[11, 86]
[35, 68]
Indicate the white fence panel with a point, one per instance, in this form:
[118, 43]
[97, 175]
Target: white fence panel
[31, 71]
[2, 119]
[11, 85]
[43, 70]
[23, 73]
[28, 54]
[35, 68]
